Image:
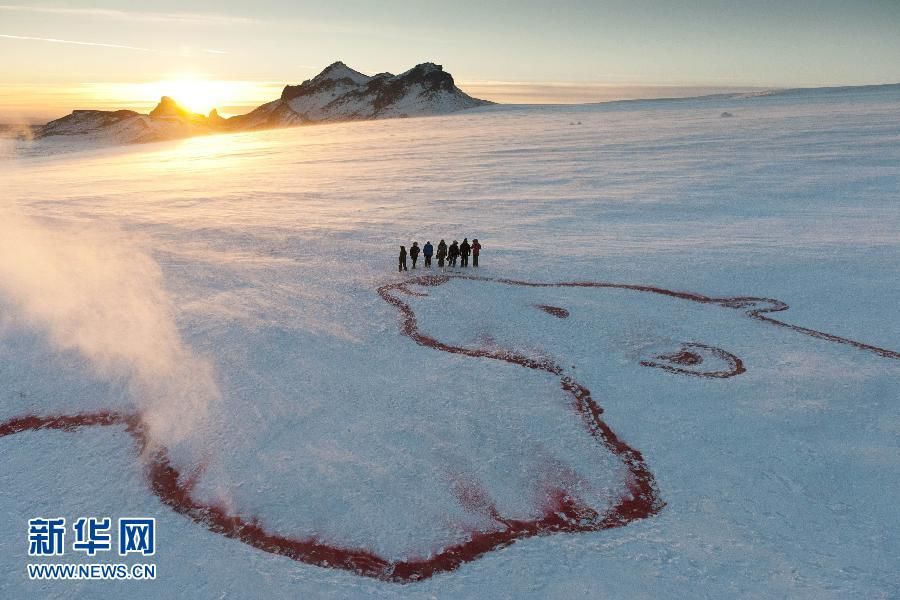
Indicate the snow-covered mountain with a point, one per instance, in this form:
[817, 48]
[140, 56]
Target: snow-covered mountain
[167, 121]
[338, 93]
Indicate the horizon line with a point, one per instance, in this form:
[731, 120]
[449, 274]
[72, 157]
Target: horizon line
[748, 89]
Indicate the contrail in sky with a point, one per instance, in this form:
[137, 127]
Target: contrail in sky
[174, 17]
[96, 44]
[58, 41]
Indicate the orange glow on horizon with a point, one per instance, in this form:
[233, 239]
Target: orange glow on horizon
[37, 102]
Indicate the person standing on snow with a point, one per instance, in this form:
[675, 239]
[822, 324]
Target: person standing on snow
[403, 259]
[442, 253]
[464, 250]
[453, 253]
[414, 253]
[427, 251]
[476, 248]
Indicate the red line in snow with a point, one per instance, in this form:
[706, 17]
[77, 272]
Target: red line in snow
[691, 354]
[755, 308]
[563, 513]
[559, 313]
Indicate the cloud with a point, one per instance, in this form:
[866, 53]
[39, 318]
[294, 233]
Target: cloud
[342, 26]
[95, 292]
[155, 17]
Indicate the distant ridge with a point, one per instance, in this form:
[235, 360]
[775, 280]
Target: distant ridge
[338, 93]
[760, 93]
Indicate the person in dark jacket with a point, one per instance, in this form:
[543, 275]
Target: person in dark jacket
[464, 250]
[427, 251]
[414, 253]
[442, 253]
[453, 253]
[403, 259]
[476, 249]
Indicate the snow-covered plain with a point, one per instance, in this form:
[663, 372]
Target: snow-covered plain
[226, 286]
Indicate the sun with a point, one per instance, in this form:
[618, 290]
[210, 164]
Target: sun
[196, 95]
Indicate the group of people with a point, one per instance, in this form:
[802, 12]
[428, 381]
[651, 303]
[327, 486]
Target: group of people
[452, 253]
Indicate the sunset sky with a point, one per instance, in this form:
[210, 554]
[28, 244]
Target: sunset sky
[56, 56]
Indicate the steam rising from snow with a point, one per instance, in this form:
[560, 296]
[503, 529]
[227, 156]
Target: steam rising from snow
[10, 135]
[94, 292]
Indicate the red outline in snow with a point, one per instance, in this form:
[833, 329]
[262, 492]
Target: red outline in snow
[564, 512]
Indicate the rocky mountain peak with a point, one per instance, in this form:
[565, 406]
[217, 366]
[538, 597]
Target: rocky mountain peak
[338, 71]
[425, 68]
[336, 74]
[431, 76]
[215, 118]
[168, 107]
[336, 66]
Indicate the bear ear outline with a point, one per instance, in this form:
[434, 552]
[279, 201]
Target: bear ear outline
[687, 360]
[554, 311]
